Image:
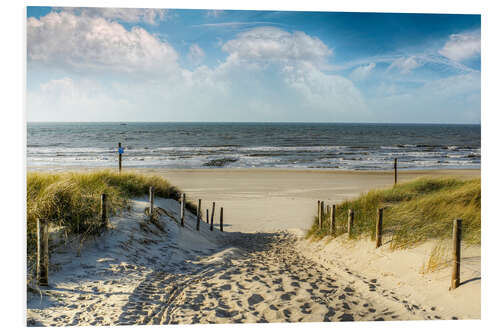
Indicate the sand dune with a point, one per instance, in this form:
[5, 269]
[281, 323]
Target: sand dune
[137, 274]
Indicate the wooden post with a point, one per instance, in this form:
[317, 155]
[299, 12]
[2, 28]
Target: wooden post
[457, 237]
[350, 222]
[198, 215]
[119, 157]
[183, 207]
[104, 217]
[322, 212]
[319, 212]
[207, 216]
[395, 171]
[328, 215]
[42, 258]
[332, 220]
[221, 219]
[151, 201]
[378, 228]
[212, 219]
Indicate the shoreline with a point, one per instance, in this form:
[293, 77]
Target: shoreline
[312, 170]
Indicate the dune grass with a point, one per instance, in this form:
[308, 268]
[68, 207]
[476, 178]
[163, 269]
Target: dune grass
[414, 212]
[71, 200]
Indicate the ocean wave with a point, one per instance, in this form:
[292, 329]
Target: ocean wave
[326, 156]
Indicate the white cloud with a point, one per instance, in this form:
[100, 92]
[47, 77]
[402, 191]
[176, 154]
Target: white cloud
[94, 43]
[269, 75]
[453, 99]
[70, 100]
[462, 46]
[130, 15]
[332, 93]
[196, 54]
[405, 64]
[276, 45]
[360, 73]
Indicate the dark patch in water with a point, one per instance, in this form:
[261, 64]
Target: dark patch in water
[220, 162]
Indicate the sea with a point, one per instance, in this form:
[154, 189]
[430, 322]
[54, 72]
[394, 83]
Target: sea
[345, 146]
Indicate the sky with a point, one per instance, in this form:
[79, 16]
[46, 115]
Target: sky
[113, 64]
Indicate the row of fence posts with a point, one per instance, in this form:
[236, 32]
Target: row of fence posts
[456, 234]
[198, 212]
[42, 226]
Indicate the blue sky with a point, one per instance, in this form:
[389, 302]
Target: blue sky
[90, 64]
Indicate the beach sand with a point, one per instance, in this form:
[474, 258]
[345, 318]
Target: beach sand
[137, 274]
[279, 199]
[270, 200]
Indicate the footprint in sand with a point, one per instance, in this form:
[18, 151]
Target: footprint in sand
[255, 299]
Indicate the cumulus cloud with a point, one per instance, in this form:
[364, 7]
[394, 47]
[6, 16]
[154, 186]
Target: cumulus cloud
[196, 54]
[94, 43]
[360, 73]
[81, 100]
[460, 47]
[269, 74]
[276, 45]
[332, 93]
[405, 64]
[130, 15]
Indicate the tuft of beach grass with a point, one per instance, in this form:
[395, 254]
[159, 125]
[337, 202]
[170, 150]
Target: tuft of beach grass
[71, 200]
[414, 212]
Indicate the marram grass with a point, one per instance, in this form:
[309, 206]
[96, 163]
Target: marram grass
[414, 212]
[72, 200]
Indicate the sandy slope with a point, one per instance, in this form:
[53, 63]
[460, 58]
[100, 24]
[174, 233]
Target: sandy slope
[137, 274]
[400, 272]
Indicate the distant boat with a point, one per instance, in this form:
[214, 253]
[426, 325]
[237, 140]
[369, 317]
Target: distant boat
[123, 124]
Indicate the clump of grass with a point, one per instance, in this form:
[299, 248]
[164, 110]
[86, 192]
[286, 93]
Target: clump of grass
[439, 258]
[414, 212]
[72, 200]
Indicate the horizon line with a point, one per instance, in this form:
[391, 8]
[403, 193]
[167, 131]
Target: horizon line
[260, 122]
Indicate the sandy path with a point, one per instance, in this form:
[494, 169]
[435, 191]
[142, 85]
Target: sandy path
[136, 274]
[268, 281]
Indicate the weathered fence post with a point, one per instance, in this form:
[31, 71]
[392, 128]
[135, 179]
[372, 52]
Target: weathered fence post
[350, 222]
[332, 220]
[151, 202]
[183, 207]
[42, 257]
[378, 228]
[395, 171]
[198, 215]
[319, 212]
[104, 215]
[457, 237]
[212, 219]
[322, 212]
[327, 215]
[221, 219]
[119, 157]
[207, 217]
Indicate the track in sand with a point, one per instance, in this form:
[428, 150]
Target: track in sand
[147, 277]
